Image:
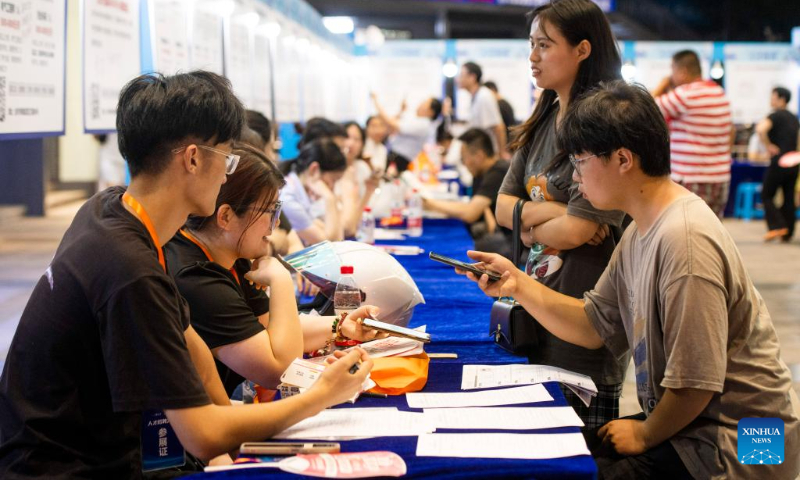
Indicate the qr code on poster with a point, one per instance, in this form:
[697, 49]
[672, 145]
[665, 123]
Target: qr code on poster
[2, 99]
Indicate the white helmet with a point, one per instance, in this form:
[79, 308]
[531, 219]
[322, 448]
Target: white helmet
[384, 282]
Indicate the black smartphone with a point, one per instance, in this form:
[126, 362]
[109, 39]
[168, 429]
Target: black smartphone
[493, 276]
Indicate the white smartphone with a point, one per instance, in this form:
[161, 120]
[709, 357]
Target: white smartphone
[397, 331]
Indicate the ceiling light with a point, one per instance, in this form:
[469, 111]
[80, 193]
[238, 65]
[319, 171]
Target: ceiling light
[339, 25]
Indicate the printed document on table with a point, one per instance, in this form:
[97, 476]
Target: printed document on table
[488, 398]
[503, 418]
[502, 445]
[489, 376]
[393, 346]
[359, 422]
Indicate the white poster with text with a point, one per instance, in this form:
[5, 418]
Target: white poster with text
[110, 27]
[32, 68]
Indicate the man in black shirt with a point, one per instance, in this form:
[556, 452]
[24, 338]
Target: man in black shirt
[488, 172]
[779, 133]
[105, 336]
[506, 110]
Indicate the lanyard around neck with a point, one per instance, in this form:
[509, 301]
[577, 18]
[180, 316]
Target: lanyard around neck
[202, 247]
[143, 217]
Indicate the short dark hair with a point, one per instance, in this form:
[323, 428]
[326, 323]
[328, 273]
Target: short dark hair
[260, 124]
[318, 128]
[476, 138]
[323, 151]
[783, 93]
[618, 115]
[251, 137]
[156, 113]
[491, 86]
[689, 60]
[443, 133]
[474, 69]
[436, 108]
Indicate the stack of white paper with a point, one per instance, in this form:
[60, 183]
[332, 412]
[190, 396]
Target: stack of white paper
[508, 396]
[488, 376]
[501, 445]
[508, 418]
[347, 423]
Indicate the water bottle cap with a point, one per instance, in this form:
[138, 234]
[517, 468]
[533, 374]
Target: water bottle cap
[367, 209]
[346, 270]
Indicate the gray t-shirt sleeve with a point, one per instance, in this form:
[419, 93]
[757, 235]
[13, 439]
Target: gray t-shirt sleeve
[601, 305]
[695, 325]
[582, 208]
[514, 182]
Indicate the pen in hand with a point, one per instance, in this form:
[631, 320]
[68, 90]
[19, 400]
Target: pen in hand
[354, 368]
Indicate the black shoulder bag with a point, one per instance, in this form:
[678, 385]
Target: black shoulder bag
[513, 328]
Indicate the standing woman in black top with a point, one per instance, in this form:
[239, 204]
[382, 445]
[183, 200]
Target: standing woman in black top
[250, 334]
[572, 50]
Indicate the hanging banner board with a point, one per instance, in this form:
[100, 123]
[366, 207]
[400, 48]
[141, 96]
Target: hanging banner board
[110, 27]
[32, 62]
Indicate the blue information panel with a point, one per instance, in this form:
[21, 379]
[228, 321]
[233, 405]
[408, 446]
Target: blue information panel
[160, 445]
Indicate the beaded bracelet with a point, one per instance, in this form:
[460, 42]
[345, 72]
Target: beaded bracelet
[338, 326]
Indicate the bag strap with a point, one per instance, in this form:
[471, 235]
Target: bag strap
[517, 242]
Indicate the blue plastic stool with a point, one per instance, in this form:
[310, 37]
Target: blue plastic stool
[748, 201]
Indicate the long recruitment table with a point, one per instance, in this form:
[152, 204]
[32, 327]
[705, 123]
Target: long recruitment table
[456, 313]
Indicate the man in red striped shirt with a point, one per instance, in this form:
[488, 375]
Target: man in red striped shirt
[699, 117]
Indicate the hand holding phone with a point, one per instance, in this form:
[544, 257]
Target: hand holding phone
[396, 331]
[493, 276]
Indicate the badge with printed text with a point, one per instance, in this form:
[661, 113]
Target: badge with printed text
[160, 446]
[760, 441]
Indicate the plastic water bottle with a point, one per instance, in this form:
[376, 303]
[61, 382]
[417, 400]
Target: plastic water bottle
[347, 296]
[414, 214]
[366, 229]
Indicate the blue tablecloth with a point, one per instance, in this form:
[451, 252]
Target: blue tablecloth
[456, 313]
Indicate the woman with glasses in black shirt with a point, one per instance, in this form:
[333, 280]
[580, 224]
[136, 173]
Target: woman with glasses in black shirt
[222, 267]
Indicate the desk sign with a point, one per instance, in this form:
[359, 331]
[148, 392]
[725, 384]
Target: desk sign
[160, 445]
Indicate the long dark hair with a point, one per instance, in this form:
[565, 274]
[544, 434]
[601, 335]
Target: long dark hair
[254, 183]
[347, 126]
[577, 20]
[323, 151]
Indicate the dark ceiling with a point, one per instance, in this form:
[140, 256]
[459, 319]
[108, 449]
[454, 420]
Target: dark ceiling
[720, 20]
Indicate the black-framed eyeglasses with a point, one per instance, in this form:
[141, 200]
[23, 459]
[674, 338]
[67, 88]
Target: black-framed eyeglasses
[576, 162]
[275, 212]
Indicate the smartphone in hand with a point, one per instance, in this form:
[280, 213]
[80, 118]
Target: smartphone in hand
[493, 276]
[396, 330]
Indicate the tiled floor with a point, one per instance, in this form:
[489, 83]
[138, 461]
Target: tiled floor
[28, 244]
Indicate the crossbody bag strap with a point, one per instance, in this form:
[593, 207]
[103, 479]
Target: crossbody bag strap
[517, 225]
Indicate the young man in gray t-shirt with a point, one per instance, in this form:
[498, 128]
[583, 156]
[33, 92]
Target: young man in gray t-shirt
[677, 295]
